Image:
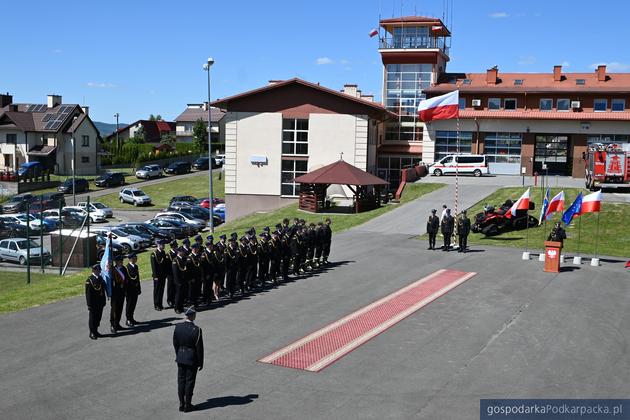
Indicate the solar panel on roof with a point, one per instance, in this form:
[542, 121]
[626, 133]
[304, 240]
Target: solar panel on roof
[518, 82]
[55, 125]
[49, 125]
[47, 117]
[30, 108]
[580, 81]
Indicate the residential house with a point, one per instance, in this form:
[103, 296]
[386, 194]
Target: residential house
[194, 112]
[152, 131]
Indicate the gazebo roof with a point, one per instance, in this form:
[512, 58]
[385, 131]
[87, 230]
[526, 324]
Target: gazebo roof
[342, 173]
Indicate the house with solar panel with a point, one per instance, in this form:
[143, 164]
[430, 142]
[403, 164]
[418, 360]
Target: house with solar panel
[45, 133]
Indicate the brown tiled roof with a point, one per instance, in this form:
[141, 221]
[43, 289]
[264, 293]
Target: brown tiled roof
[545, 115]
[22, 120]
[32, 121]
[153, 130]
[411, 20]
[532, 83]
[342, 173]
[193, 114]
[77, 122]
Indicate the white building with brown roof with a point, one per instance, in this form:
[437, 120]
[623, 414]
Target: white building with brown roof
[45, 133]
[187, 119]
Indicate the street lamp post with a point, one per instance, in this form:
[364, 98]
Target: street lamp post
[117, 139]
[206, 67]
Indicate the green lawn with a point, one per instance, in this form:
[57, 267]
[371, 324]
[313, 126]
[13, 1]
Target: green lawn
[161, 194]
[614, 235]
[15, 294]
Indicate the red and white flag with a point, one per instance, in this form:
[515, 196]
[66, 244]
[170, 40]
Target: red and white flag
[591, 203]
[555, 205]
[520, 204]
[441, 107]
[437, 28]
[373, 33]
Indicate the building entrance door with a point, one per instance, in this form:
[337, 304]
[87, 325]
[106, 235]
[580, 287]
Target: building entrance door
[554, 151]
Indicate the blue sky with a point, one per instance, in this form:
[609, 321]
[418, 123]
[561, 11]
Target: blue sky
[141, 57]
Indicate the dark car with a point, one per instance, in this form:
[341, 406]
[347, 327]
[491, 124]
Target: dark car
[17, 203]
[201, 164]
[110, 179]
[11, 230]
[183, 198]
[177, 168]
[80, 185]
[147, 229]
[199, 212]
[176, 228]
[47, 201]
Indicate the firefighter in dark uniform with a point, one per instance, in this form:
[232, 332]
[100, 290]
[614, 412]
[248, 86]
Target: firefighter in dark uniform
[199, 241]
[170, 283]
[160, 267]
[179, 268]
[463, 230]
[231, 266]
[285, 255]
[219, 268]
[448, 226]
[310, 246]
[195, 274]
[263, 258]
[95, 298]
[557, 234]
[327, 240]
[119, 287]
[319, 243]
[207, 265]
[433, 227]
[252, 260]
[241, 273]
[296, 245]
[133, 289]
[186, 246]
[188, 344]
[222, 242]
[274, 256]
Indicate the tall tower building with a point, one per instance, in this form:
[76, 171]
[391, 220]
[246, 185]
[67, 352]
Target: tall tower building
[414, 51]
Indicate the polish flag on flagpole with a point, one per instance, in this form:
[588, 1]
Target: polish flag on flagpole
[373, 33]
[441, 107]
[591, 203]
[555, 205]
[521, 204]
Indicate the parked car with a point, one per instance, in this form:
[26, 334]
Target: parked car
[219, 159]
[201, 164]
[205, 202]
[177, 168]
[95, 216]
[177, 228]
[134, 196]
[132, 230]
[80, 185]
[463, 164]
[126, 241]
[100, 248]
[177, 205]
[18, 250]
[49, 224]
[110, 179]
[197, 224]
[182, 198]
[149, 171]
[147, 229]
[98, 208]
[17, 203]
[50, 200]
[21, 218]
[11, 230]
[30, 169]
[69, 219]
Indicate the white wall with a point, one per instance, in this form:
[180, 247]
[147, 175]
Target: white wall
[64, 151]
[331, 134]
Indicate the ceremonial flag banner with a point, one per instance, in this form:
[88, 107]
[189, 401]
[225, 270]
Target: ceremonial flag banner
[521, 204]
[573, 210]
[555, 205]
[441, 107]
[591, 203]
[373, 33]
[106, 267]
[543, 209]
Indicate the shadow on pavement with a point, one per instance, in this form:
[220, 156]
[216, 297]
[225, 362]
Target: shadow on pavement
[143, 327]
[225, 402]
[568, 269]
[494, 238]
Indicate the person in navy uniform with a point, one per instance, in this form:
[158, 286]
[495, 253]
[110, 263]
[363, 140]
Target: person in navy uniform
[274, 256]
[160, 266]
[447, 227]
[463, 230]
[199, 241]
[327, 240]
[120, 276]
[319, 243]
[178, 268]
[252, 260]
[433, 226]
[133, 289]
[242, 259]
[285, 254]
[186, 246]
[218, 260]
[207, 265]
[188, 344]
[231, 266]
[557, 234]
[170, 283]
[95, 298]
[263, 258]
[195, 274]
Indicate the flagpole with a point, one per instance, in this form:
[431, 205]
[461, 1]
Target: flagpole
[579, 235]
[597, 237]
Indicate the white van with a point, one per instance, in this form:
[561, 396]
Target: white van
[463, 164]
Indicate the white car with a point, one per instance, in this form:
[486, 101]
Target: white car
[462, 163]
[189, 220]
[126, 241]
[97, 208]
[134, 196]
[149, 171]
[15, 249]
[219, 159]
[20, 219]
[95, 217]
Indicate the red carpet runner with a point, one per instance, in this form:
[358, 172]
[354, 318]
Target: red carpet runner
[323, 347]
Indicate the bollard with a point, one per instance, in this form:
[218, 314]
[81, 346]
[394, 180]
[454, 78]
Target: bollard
[526, 256]
[594, 262]
[535, 179]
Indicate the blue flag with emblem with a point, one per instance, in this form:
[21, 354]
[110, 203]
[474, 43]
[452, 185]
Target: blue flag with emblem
[574, 210]
[106, 267]
[545, 206]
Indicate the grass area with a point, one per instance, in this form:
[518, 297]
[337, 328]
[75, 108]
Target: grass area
[614, 234]
[15, 294]
[161, 194]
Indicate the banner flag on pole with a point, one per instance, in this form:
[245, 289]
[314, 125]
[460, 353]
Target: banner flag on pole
[373, 33]
[106, 267]
[591, 203]
[543, 209]
[555, 205]
[441, 107]
[520, 204]
[573, 210]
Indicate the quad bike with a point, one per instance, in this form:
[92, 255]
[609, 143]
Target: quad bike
[492, 222]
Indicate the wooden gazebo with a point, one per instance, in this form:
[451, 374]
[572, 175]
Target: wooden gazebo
[314, 185]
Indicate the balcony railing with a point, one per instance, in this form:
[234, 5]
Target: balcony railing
[390, 41]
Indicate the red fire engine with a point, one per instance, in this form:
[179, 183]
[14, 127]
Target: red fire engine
[607, 166]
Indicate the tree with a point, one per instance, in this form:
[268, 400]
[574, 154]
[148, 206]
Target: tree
[157, 117]
[200, 136]
[168, 139]
[138, 137]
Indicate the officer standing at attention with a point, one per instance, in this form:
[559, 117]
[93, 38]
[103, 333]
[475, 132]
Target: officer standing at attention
[448, 226]
[170, 283]
[242, 259]
[463, 230]
[207, 265]
[231, 266]
[186, 246]
[119, 288]
[178, 268]
[274, 256]
[433, 227]
[160, 267]
[95, 298]
[263, 258]
[219, 268]
[285, 254]
[188, 344]
[327, 240]
[557, 234]
[133, 289]
[195, 274]
[319, 243]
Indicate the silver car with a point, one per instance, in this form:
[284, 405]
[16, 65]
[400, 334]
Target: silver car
[134, 196]
[149, 171]
[15, 249]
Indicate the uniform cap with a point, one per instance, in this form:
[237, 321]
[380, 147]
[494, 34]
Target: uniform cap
[96, 267]
[210, 238]
[222, 237]
[198, 238]
[190, 311]
[132, 255]
[266, 229]
[173, 243]
[434, 211]
[195, 246]
[118, 258]
[233, 235]
[186, 241]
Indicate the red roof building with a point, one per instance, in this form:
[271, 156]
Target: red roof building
[152, 131]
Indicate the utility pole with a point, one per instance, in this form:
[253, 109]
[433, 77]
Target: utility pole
[206, 67]
[117, 136]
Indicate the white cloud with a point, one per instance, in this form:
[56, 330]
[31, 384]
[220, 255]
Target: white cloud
[324, 60]
[100, 85]
[526, 60]
[498, 15]
[565, 64]
[613, 66]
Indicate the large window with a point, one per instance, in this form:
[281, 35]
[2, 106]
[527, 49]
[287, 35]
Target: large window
[411, 37]
[600, 105]
[85, 141]
[546, 104]
[494, 104]
[608, 138]
[618, 105]
[291, 169]
[503, 147]
[11, 138]
[563, 104]
[509, 104]
[551, 148]
[294, 137]
[388, 168]
[446, 143]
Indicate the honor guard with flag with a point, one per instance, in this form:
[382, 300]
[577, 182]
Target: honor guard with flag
[133, 289]
[119, 289]
[170, 282]
[95, 299]
[160, 267]
[188, 345]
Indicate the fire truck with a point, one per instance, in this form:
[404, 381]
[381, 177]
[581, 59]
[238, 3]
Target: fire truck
[607, 166]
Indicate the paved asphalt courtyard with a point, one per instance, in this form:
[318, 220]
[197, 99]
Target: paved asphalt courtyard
[512, 331]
